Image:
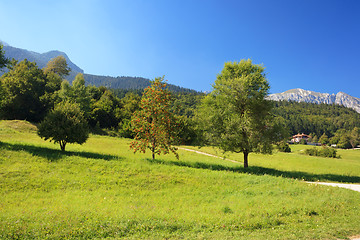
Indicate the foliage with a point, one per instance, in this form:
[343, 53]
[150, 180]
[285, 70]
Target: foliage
[58, 65]
[355, 137]
[324, 139]
[26, 92]
[236, 116]
[323, 152]
[3, 59]
[283, 147]
[154, 123]
[64, 124]
[121, 83]
[316, 118]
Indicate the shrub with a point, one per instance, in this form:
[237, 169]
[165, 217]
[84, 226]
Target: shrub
[283, 147]
[324, 152]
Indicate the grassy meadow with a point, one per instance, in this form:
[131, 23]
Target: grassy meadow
[101, 189]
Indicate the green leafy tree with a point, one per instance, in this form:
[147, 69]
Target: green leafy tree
[236, 116]
[23, 90]
[354, 137]
[64, 124]
[154, 123]
[58, 65]
[3, 59]
[324, 139]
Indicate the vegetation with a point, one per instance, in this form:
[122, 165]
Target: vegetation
[65, 124]
[102, 190]
[58, 66]
[283, 147]
[27, 92]
[154, 124]
[317, 119]
[236, 116]
[3, 59]
[324, 152]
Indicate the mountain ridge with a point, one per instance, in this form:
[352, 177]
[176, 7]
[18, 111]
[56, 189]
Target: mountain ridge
[120, 82]
[301, 95]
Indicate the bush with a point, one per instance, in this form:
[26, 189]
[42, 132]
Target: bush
[283, 147]
[324, 152]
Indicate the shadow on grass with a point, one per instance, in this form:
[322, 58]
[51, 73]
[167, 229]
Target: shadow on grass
[262, 171]
[54, 154]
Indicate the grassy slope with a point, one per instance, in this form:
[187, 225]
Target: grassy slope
[101, 189]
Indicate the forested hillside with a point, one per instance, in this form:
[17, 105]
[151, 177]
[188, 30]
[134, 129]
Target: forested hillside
[316, 118]
[125, 82]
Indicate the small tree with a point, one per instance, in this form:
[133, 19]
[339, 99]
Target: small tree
[354, 137]
[154, 123]
[3, 59]
[58, 65]
[324, 139]
[64, 124]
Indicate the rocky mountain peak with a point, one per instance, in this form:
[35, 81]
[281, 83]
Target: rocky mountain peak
[301, 95]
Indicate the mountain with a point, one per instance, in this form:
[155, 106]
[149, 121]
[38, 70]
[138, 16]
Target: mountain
[123, 82]
[41, 59]
[301, 95]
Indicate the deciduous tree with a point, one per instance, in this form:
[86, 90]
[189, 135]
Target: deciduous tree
[64, 124]
[236, 116]
[23, 89]
[58, 65]
[154, 123]
[3, 59]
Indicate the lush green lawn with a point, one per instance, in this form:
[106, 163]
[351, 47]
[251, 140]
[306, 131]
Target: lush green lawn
[300, 166]
[102, 190]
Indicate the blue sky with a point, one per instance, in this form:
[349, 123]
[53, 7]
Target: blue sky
[309, 44]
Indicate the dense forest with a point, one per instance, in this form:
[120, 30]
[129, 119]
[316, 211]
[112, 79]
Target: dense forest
[28, 92]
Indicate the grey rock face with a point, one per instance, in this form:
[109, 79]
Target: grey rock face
[301, 95]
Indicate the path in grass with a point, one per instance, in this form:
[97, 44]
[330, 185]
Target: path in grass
[354, 187]
[207, 154]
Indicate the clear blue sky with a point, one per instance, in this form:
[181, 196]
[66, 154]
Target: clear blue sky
[309, 44]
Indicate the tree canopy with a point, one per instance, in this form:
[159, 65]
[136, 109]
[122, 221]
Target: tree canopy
[24, 92]
[58, 65]
[154, 123]
[236, 116]
[3, 59]
[64, 124]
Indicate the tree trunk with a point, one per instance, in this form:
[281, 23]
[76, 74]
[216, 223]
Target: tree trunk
[246, 154]
[62, 145]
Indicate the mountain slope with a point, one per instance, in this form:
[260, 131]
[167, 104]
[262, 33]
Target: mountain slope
[41, 59]
[123, 82]
[301, 95]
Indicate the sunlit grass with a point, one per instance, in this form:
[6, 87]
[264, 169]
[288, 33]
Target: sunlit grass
[102, 190]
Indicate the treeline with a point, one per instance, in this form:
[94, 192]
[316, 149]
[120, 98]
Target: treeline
[314, 118]
[325, 123]
[123, 82]
[28, 92]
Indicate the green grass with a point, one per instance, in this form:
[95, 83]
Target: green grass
[297, 165]
[102, 190]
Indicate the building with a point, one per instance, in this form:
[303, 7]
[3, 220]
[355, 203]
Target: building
[298, 137]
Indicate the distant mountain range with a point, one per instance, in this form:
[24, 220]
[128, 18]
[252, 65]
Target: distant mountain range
[122, 82]
[301, 95]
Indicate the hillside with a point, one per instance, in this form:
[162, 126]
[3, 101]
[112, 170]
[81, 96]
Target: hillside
[102, 190]
[301, 95]
[123, 82]
[304, 117]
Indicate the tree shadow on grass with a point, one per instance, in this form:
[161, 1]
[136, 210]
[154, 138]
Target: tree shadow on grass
[262, 171]
[54, 154]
